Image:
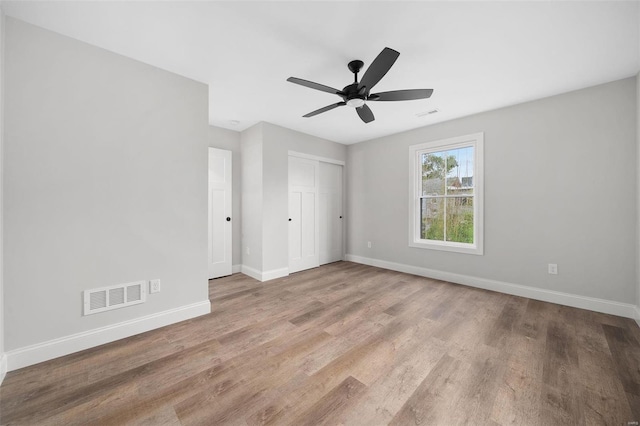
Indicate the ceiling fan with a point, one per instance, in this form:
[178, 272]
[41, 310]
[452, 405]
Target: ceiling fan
[358, 93]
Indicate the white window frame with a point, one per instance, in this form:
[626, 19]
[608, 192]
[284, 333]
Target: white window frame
[475, 140]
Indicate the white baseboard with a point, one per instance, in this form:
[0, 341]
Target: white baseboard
[591, 303]
[265, 276]
[253, 273]
[637, 318]
[236, 269]
[3, 367]
[40, 352]
[275, 273]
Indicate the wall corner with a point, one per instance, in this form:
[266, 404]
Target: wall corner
[3, 357]
[3, 366]
[637, 301]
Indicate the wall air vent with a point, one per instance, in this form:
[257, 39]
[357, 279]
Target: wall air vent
[114, 297]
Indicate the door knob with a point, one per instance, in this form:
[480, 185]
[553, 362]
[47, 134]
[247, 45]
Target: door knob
[289, 219]
[340, 217]
[228, 219]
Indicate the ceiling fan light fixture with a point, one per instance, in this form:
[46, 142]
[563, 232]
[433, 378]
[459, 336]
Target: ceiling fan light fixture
[355, 102]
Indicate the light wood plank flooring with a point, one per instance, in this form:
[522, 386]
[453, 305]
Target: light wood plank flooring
[353, 345]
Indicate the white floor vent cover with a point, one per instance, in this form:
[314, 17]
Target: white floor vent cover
[114, 297]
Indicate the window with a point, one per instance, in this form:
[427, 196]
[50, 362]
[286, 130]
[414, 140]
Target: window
[446, 194]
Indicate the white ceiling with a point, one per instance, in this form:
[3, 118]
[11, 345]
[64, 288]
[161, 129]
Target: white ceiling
[477, 56]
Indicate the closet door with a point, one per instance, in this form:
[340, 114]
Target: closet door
[331, 217]
[303, 214]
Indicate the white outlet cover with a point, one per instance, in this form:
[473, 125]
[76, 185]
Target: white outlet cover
[154, 286]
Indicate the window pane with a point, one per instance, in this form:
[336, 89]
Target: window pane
[432, 219]
[459, 166]
[433, 166]
[460, 219]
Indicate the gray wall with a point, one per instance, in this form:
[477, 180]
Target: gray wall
[105, 183]
[2, 24]
[230, 140]
[265, 190]
[278, 141]
[251, 184]
[560, 187]
[638, 183]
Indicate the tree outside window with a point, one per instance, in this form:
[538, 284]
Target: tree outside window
[447, 213]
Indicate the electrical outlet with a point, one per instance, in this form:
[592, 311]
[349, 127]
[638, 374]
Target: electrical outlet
[553, 269]
[369, 244]
[154, 286]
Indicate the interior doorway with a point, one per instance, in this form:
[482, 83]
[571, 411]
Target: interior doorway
[219, 216]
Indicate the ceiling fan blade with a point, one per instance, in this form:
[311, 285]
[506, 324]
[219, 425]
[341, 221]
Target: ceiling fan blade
[325, 109]
[378, 68]
[401, 95]
[313, 85]
[365, 113]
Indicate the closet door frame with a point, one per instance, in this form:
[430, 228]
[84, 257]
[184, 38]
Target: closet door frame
[344, 192]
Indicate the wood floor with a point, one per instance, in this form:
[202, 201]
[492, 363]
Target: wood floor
[353, 345]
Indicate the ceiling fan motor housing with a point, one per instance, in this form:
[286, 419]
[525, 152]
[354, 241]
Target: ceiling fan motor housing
[352, 96]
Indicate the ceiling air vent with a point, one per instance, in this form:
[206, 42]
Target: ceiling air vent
[425, 113]
[113, 297]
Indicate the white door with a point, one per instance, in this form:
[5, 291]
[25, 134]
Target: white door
[303, 214]
[219, 212]
[330, 213]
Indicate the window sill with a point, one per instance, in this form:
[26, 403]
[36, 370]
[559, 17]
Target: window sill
[447, 246]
